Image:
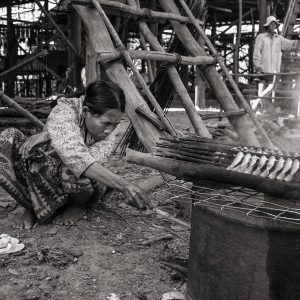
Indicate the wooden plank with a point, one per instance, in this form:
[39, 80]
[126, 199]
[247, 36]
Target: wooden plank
[101, 41]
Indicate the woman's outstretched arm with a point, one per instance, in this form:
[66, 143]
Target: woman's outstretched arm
[132, 192]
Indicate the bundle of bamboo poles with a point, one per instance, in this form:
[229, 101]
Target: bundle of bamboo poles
[189, 149]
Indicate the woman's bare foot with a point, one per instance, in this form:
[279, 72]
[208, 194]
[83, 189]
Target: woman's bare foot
[26, 220]
[70, 215]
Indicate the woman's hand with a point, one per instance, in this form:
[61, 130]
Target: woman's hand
[133, 193]
[136, 196]
[34, 142]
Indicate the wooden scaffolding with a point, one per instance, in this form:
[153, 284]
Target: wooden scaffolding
[105, 50]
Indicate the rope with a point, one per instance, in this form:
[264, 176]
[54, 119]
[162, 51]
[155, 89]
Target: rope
[147, 14]
[177, 62]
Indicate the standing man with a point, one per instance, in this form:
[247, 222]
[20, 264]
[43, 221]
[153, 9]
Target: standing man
[268, 48]
[267, 59]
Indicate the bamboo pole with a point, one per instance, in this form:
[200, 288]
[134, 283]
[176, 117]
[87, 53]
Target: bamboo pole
[158, 56]
[224, 114]
[244, 131]
[64, 37]
[21, 110]
[146, 13]
[151, 117]
[131, 64]
[186, 101]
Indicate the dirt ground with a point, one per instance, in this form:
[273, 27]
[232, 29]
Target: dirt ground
[103, 256]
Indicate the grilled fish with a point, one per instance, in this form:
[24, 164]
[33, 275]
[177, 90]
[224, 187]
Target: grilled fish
[236, 161]
[251, 165]
[270, 165]
[294, 169]
[278, 167]
[287, 166]
[243, 164]
[261, 163]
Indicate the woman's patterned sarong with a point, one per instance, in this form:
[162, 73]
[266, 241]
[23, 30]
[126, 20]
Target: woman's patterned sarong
[42, 182]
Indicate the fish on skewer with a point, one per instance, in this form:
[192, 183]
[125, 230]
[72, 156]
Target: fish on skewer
[244, 163]
[294, 169]
[270, 165]
[236, 160]
[278, 167]
[287, 166]
[260, 165]
[251, 165]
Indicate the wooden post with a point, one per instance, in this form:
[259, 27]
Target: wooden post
[154, 30]
[199, 90]
[237, 44]
[262, 14]
[214, 26]
[251, 44]
[12, 53]
[75, 37]
[91, 66]
[200, 83]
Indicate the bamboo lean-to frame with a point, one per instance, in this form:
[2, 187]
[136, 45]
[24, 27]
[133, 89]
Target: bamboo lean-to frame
[186, 101]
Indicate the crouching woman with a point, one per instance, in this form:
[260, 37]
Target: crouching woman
[81, 132]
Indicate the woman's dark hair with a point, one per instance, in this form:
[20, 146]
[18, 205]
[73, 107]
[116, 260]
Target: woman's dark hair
[101, 96]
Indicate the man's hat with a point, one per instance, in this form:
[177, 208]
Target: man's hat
[271, 19]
